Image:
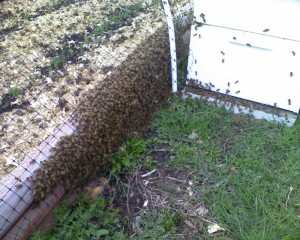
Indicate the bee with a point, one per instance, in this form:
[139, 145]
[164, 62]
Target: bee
[223, 60]
[211, 84]
[286, 117]
[18, 179]
[198, 24]
[237, 92]
[248, 44]
[222, 53]
[202, 15]
[30, 179]
[218, 90]
[289, 102]
[234, 38]
[228, 84]
[227, 91]
[266, 30]
[95, 192]
[275, 104]
[195, 61]
[291, 74]
[195, 35]
[294, 53]
[237, 81]
[199, 36]
[32, 161]
[196, 73]
[18, 186]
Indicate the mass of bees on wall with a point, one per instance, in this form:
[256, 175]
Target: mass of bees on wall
[118, 108]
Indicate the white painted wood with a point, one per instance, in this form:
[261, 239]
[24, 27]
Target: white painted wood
[14, 200]
[169, 19]
[279, 16]
[248, 65]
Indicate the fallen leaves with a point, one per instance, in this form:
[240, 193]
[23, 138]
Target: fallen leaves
[214, 228]
[193, 135]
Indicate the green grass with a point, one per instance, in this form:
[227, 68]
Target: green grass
[245, 171]
[251, 167]
[16, 91]
[125, 160]
[86, 220]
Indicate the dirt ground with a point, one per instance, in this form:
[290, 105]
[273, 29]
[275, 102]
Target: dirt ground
[163, 187]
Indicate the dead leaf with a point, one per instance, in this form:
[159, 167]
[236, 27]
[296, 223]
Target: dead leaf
[187, 222]
[145, 203]
[214, 228]
[136, 226]
[232, 170]
[193, 135]
[202, 210]
[190, 191]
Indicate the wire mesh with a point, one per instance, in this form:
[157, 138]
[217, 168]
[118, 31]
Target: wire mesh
[53, 57]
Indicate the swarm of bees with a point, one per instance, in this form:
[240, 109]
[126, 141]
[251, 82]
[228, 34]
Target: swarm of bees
[120, 107]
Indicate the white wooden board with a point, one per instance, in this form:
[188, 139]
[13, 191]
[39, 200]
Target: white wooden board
[240, 63]
[281, 17]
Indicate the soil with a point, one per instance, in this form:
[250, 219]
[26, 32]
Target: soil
[164, 187]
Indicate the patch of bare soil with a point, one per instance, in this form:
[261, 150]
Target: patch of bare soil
[164, 187]
[50, 51]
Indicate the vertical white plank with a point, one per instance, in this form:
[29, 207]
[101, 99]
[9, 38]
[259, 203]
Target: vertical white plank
[169, 19]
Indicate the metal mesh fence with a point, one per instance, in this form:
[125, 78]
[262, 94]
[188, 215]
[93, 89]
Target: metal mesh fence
[55, 57]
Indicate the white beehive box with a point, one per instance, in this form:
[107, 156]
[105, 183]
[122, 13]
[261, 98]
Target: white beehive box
[248, 49]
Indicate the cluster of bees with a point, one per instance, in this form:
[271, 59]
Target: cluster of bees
[120, 107]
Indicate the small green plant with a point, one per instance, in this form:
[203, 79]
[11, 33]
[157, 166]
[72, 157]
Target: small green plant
[16, 91]
[117, 19]
[71, 52]
[33, 78]
[148, 163]
[125, 160]
[103, 27]
[86, 39]
[58, 61]
[85, 220]
[26, 16]
[159, 224]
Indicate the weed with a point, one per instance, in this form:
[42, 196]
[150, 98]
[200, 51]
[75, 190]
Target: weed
[71, 52]
[114, 20]
[125, 160]
[26, 16]
[148, 163]
[85, 220]
[159, 224]
[58, 61]
[86, 39]
[16, 91]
